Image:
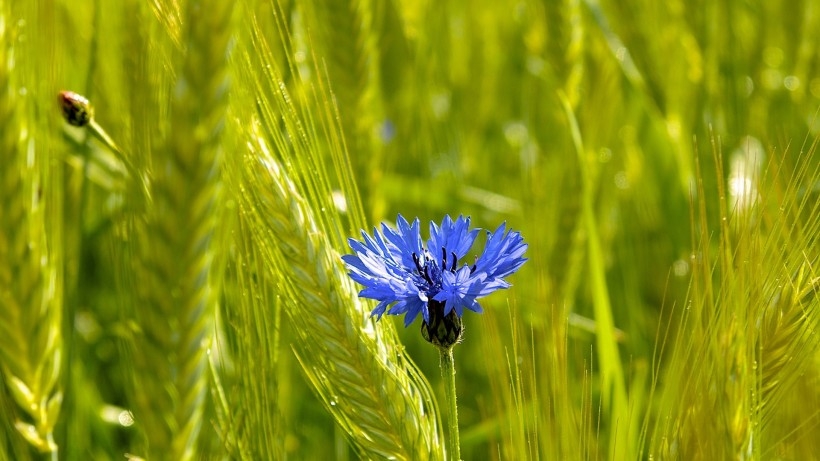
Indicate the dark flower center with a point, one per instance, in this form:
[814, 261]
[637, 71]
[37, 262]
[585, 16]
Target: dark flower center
[423, 269]
[424, 266]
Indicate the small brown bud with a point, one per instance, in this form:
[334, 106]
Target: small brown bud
[77, 110]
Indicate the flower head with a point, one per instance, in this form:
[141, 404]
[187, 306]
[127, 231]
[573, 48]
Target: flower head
[396, 268]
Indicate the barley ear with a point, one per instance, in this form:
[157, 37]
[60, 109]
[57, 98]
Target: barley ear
[357, 368]
[343, 33]
[176, 273]
[787, 342]
[30, 265]
[252, 426]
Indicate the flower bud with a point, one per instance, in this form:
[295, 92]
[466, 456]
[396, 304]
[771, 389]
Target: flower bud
[442, 330]
[77, 110]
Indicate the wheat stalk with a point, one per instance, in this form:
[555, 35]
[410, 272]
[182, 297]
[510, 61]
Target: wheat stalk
[359, 373]
[30, 281]
[175, 275]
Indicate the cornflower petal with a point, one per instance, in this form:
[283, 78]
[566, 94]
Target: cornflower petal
[453, 290]
[503, 253]
[405, 240]
[454, 237]
[380, 308]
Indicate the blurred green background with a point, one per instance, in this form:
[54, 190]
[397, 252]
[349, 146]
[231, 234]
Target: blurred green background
[657, 157]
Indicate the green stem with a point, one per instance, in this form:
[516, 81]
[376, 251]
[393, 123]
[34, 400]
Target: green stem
[103, 137]
[448, 371]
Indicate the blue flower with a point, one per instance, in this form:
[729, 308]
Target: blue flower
[396, 268]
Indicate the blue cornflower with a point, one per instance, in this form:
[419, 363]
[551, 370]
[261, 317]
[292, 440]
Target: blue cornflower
[397, 269]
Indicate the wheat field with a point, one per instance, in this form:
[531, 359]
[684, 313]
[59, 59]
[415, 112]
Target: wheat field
[171, 280]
